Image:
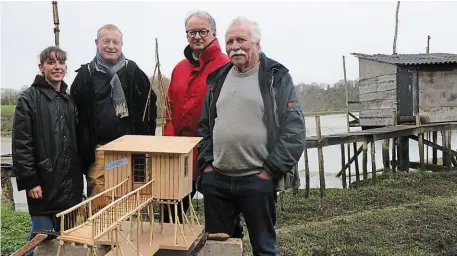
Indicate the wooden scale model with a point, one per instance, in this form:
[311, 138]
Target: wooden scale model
[140, 172]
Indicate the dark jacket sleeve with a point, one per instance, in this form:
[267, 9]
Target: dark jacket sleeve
[78, 98]
[143, 84]
[291, 138]
[205, 146]
[23, 145]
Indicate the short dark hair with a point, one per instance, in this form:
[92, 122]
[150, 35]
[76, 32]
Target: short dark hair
[47, 54]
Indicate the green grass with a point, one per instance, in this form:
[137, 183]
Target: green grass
[404, 214]
[411, 213]
[15, 229]
[7, 109]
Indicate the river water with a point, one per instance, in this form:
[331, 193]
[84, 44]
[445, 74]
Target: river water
[330, 124]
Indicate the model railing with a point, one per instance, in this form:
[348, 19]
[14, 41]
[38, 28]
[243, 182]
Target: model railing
[78, 215]
[120, 210]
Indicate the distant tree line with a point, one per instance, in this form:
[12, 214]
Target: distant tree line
[313, 97]
[327, 98]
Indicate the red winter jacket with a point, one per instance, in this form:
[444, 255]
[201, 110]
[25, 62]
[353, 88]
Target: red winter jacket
[187, 90]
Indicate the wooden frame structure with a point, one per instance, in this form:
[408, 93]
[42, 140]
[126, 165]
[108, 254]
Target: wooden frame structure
[140, 172]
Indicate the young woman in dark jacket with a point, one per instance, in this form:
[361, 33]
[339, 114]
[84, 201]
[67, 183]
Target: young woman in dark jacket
[45, 157]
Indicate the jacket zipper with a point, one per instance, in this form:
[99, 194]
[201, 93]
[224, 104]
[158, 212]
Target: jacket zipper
[209, 111]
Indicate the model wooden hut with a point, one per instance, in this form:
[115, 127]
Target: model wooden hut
[396, 88]
[167, 160]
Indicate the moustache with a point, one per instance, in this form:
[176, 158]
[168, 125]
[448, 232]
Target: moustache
[237, 52]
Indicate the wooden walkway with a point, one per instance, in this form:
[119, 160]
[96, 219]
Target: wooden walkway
[377, 134]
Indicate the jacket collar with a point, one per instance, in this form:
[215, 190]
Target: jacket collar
[41, 84]
[207, 55]
[267, 65]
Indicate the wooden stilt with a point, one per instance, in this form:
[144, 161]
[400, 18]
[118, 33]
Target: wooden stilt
[364, 160]
[343, 163]
[434, 150]
[444, 144]
[394, 154]
[427, 137]
[349, 167]
[320, 156]
[356, 163]
[307, 185]
[373, 163]
[175, 222]
[385, 154]
[449, 149]
[403, 150]
[421, 151]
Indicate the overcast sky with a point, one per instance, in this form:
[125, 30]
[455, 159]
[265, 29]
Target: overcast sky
[307, 37]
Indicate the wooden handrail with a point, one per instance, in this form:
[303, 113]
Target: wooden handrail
[118, 200]
[91, 198]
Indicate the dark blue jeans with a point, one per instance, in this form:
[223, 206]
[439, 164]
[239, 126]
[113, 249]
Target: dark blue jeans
[225, 197]
[43, 223]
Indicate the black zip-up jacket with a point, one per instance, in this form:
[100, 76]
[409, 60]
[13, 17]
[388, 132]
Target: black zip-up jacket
[44, 148]
[283, 117]
[135, 85]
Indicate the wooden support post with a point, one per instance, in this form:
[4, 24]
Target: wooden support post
[364, 160]
[403, 152]
[320, 156]
[444, 144]
[357, 171]
[348, 127]
[449, 149]
[353, 158]
[434, 150]
[373, 162]
[385, 154]
[427, 137]
[421, 151]
[307, 185]
[343, 163]
[349, 167]
[394, 154]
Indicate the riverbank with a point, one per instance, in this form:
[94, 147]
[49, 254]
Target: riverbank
[405, 214]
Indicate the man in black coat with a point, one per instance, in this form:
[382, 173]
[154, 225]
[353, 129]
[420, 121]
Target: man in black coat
[111, 94]
[44, 148]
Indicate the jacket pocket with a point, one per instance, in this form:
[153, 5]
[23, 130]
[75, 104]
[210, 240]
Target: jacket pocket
[45, 165]
[46, 175]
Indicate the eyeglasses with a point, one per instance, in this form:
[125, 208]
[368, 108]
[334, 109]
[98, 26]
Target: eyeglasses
[193, 33]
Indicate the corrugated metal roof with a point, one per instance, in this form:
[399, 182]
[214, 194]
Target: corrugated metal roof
[411, 59]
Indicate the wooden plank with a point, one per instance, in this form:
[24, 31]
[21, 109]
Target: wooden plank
[380, 121]
[381, 79]
[384, 95]
[377, 86]
[152, 144]
[377, 104]
[370, 113]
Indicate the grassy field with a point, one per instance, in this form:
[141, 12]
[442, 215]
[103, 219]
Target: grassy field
[7, 112]
[7, 109]
[405, 214]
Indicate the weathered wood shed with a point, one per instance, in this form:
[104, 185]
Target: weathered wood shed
[394, 88]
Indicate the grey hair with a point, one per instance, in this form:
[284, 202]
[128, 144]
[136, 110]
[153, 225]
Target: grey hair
[110, 27]
[202, 14]
[255, 29]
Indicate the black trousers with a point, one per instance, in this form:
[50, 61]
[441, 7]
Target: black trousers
[238, 233]
[226, 197]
